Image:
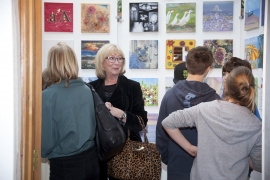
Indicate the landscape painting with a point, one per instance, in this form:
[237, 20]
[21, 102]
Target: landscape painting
[252, 14]
[143, 54]
[89, 50]
[222, 50]
[149, 88]
[217, 16]
[180, 17]
[95, 18]
[151, 127]
[254, 51]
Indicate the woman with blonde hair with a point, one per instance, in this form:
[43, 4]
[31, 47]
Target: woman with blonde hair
[68, 119]
[228, 131]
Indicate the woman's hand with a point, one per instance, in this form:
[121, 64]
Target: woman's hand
[115, 111]
[192, 150]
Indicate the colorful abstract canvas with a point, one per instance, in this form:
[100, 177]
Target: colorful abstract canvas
[168, 83]
[254, 51]
[151, 127]
[252, 14]
[217, 16]
[143, 54]
[180, 17]
[88, 79]
[58, 17]
[222, 50]
[95, 18]
[176, 51]
[215, 83]
[143, 17]
[149, 88]
[89, 50]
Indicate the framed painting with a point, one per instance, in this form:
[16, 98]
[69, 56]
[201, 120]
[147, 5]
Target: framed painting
[254, 51]
[89, 50]
[180, 17]
[95, 18]
[151, 127]
[143, 17]
[58, 17]
[168, 83]
[217, 16]
[176, 51]
[222, 50]
[252, 14]
[143, 54]
[149, 88]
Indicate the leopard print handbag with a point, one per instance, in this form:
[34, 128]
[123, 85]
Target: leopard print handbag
[137, 161]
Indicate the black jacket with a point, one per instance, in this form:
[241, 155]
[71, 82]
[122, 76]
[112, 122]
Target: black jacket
[127, 97]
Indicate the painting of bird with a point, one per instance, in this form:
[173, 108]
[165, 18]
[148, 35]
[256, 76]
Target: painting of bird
[174, 22]
[168, 16]
[182, 21]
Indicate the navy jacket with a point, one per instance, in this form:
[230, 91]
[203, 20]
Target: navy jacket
[183, 94]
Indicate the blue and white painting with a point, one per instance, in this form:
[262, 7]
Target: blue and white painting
[218, 16]
[89, 50]
[143, 54]
[252, 14]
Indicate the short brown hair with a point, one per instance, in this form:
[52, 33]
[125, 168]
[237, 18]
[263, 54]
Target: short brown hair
[199, 59]
[233, 63]
[102, 53]
[240, 86]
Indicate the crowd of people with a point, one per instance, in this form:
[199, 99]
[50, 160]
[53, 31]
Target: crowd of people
[199, 134]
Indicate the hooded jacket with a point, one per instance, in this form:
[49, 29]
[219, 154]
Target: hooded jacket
[228, 135]
[183, 94]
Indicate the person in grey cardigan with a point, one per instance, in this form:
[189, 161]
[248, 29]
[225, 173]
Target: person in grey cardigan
[229, 134]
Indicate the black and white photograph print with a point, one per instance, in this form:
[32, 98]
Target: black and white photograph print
[143, 17]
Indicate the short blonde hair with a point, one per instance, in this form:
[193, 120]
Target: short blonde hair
[62, 64]
[104, 52]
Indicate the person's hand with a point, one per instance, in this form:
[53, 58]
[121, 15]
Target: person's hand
[192, 150]
[108, 105]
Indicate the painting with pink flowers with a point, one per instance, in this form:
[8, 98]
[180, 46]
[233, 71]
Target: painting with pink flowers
[95, 18]
[222, 50]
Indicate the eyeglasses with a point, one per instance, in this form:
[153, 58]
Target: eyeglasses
[112, 59]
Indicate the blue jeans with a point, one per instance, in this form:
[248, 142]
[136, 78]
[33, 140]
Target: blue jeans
[83, 166]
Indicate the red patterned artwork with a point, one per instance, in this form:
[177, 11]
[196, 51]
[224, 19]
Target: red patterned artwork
[58, 17]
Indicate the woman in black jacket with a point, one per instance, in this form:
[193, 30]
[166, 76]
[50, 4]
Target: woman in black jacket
[122, 96]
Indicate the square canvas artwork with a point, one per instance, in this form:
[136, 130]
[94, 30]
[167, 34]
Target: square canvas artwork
[58, 17]
[254, 51]
[215, 83]
[95, 18]
[252, 14]
[143, 54]
[143, 17]
[180, 17]
[222, 50]
[149, 88]
[218, 16]
[89, 50]
[168, 83]
[151, 127]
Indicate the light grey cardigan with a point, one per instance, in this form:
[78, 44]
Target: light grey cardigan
[227, 135]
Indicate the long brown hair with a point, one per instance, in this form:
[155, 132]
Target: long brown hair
[240, 87]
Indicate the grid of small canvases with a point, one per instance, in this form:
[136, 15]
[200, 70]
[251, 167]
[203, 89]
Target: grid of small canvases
[143, 54]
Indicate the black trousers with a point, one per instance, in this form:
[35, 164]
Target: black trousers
[83, 166]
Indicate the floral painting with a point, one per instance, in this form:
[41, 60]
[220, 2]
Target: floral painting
[176, 51]
[95, 18]
[89, 50]
[254, 51]
[222, 50]
[252, 14]
[149, 88]
[143, 17]
[215, 83]
[151, 127]
[218, 16]
[180, 17]
[58, 17]
[143, 54]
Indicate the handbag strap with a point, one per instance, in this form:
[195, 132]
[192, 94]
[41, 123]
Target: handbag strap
[143, 129]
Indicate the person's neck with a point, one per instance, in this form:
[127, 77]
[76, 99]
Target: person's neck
[111, 80]
[192, 77]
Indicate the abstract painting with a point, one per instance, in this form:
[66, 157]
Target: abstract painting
[143, 54]
[149, 88]
[254, 51]
[88, 79]
[89, 50]
[95, 18]
[143, 17]
[180, 17]
[151, 127]
[252, 14]
[176, 51]
[217, 16]
[168, 83]
[222, 50]
[58, 17]
[215, 83]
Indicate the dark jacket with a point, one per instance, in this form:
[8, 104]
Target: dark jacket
[183, 94]
[127, 97]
